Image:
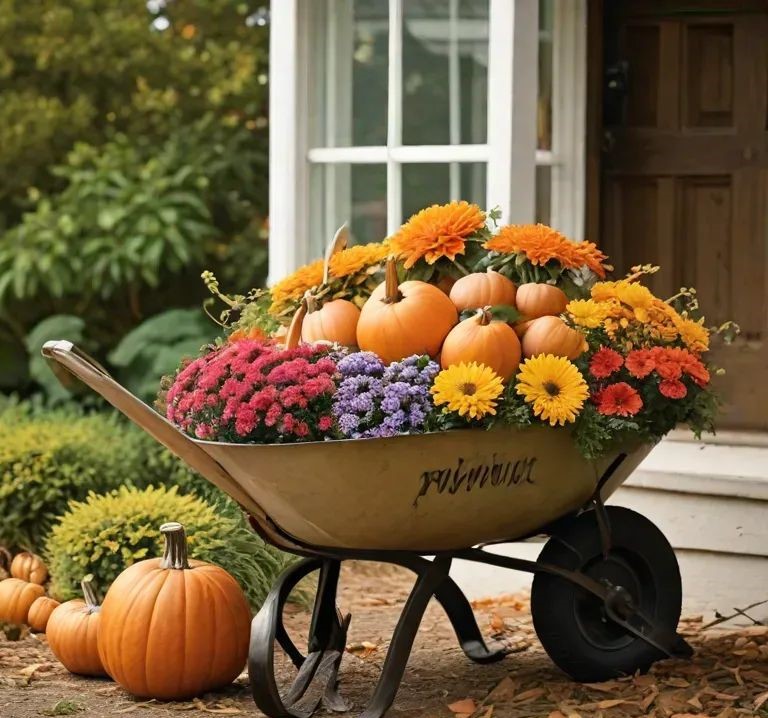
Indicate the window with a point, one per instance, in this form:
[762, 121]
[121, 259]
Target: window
[379, 108]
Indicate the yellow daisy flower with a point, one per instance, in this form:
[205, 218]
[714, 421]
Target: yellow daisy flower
[587, 312]
[468, 389]
[553, 386]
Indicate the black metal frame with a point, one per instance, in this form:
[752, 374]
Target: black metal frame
[317, 680]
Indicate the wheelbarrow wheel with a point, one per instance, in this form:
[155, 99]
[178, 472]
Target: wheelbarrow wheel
[572, 624]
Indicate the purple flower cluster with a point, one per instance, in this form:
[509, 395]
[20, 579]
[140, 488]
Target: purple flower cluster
[374, 401]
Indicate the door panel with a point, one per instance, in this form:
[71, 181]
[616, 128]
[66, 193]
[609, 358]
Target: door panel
[685, 171]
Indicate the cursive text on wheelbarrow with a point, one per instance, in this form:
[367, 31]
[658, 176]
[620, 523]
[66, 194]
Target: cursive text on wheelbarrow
[478, 476]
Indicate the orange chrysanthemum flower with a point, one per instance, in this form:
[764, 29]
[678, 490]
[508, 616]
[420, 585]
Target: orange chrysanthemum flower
[294, 285]
[542, 244]
[361, 256]
[437, 231]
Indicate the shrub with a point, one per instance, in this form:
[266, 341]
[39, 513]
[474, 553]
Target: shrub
[106, 533]
[48, 459]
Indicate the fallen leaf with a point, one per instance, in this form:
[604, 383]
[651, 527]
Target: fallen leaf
[529, 695]
[488, 713]
[363, 649]
[610, 703]
[466, 705]
[497, 623]
[677, 682]
[504, 690]
[760, 700]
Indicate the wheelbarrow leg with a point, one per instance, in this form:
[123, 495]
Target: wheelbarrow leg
[459, 612]
[431, 577]
[326, 643]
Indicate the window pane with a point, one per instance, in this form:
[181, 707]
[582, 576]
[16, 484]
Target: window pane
[445, 72]
[427, 184]
[544, 118]
[352, 193]
[348, 85]
[544, 194]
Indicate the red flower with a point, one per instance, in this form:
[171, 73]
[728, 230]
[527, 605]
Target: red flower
[667, 362]
[640, 363]
[619, 399]
[604, 362]
[673, 388]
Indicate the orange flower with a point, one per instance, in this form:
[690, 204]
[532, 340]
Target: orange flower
[361, 256]
[542, 244]
[294, 285]
[437, 231]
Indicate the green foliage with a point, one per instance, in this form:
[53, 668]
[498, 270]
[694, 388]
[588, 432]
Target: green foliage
[596, 434]
[48, 459]
[131, 157]
[58, 326]
[156, 346]
[104, 534]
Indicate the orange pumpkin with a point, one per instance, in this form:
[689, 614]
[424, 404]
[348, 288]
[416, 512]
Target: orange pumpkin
[16, 598]
[522, 327]
[551, 335]
[40, 612]
[482, 289]
[539, 300]
[29, 567]
[72, 633]
[334, 321]
[399, 320]
[480, 339]
[172, 628]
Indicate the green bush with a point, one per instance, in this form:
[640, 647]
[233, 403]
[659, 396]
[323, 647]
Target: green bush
[48, 459]
[106, 533]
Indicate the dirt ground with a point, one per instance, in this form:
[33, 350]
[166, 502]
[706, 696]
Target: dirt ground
[727, 677]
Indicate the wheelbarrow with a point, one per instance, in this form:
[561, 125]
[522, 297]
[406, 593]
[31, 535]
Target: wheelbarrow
[606, 594]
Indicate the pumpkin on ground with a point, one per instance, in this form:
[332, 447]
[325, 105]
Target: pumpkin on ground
[40, 612]
[551, 335]
[539, 300]
[29, 567]
[481, 289]
[72, 633]
[16, 598]
[173, 628]
[400, 320]
[484, 340]
[334, 321]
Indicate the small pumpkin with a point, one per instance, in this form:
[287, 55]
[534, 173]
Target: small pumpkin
[173, 628]
[481, 289]
[399, 320]
[40, 612]
[29, 567]
[72, 633]
[16, 598]
[251, 333]
[539, 300]
[334, 321]
[551, 335]
[481, 339]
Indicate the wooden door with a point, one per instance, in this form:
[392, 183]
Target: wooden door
[685, 168]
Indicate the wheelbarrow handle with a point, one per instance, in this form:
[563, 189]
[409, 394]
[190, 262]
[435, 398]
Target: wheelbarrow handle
[67, 361]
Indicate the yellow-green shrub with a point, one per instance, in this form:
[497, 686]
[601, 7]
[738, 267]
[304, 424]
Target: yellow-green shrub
[47, 460]
[106, 533]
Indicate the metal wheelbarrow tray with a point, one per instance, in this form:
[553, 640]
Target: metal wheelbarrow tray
[606, 594]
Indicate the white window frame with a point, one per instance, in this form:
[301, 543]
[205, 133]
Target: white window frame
[509, 154]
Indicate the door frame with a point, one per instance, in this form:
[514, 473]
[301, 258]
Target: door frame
[594, 131]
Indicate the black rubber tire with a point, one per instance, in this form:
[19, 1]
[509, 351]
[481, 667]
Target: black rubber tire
[571, 623]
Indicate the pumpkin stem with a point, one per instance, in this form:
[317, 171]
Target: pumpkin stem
[338, 243]
[391, 284]
[293, 337]
[175, 554]
[485, 316]
[89, 593]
